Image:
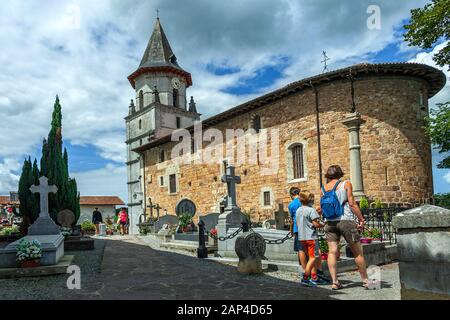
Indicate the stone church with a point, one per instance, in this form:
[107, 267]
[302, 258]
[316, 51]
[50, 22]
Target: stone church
[367, 118]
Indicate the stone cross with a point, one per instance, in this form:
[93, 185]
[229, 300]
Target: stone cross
[231, 180]
[43, 189]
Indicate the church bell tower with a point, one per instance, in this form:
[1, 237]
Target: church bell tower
[160, 107]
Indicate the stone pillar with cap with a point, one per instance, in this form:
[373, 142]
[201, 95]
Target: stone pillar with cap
[353, 122]
[423, 242]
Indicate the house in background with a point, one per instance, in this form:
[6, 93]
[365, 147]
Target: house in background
[105, 204]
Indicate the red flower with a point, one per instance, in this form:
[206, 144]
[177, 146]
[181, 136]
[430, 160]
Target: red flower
[213, 232]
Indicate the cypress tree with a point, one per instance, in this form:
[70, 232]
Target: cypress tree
[55, 166]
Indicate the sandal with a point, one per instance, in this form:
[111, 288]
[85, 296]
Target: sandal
[365, 284]
[337, 286]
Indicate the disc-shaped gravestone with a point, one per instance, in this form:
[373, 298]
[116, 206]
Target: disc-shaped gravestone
[66, 218]
[185, 206]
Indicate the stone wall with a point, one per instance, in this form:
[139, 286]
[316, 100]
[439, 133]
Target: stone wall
[395, 153]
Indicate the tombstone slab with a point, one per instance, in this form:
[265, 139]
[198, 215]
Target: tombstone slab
[250, 248]
[66, 218]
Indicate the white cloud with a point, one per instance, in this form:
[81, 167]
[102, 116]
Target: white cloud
[108, 181]
[447, 177]
[84, 50]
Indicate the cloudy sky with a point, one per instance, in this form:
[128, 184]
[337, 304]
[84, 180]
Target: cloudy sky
[235, 50]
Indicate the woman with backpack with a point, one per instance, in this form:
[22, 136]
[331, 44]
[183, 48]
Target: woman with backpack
[339, 208]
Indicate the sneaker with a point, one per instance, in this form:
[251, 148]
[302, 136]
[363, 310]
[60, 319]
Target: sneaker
[323, 278]
[309, 283]
[321, 281]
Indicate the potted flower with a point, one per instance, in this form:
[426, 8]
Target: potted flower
[185, 221]
[87, 228]
[370, 234]
[212, 237]
[323, 245]
[29, 253]
[66, 232]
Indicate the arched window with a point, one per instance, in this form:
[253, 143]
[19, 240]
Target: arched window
[256, 123]
[175, 98]
[141, 99]
[297, 161]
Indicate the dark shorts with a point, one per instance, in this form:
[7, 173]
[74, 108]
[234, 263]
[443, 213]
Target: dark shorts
[123, 223]
[297, 244]
[346, 228]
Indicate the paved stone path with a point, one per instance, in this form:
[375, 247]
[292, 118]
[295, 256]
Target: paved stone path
[133, 270]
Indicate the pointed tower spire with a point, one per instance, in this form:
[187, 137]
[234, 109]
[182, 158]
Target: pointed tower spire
[192, 106]
[158, 49]
[158, 56]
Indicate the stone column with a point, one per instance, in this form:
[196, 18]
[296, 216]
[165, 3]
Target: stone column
[353, 122]
[423, 242]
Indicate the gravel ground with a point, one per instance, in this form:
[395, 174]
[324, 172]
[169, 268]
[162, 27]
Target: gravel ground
[54, 287]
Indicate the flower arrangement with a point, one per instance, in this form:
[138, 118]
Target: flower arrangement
[87, 226]
[66, 231]
[185, 221]
[213, 232]
[371, 233]
[28, 251]
[7, 231]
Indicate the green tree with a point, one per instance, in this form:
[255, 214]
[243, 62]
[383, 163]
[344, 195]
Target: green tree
[442, 200]
[438, 129]
[56, 165]
[29, 202]
[428, 26]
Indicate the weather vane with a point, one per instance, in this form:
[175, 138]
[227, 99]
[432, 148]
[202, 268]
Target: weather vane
[324, 61]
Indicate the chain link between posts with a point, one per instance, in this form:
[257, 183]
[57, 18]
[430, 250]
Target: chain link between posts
[231, 236]
[290, 235]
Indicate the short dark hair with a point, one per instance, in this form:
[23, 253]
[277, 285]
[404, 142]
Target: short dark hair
[294, 191]
[334, 172]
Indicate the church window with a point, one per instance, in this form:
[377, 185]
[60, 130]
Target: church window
[178, 122]
[256, 123]
[266, 198]
[161, 156]
[175, 97]
[297, 161]
[140, 124]
[141, 99]
[173, 183]
[161, 181]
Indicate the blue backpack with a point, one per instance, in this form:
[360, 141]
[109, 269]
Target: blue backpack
[331, 207]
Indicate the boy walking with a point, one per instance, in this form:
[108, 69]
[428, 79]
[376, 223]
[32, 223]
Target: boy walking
[307, 221]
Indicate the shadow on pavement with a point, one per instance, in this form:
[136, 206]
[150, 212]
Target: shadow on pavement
[133, 270]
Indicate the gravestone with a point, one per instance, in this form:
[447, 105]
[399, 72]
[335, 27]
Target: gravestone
[185, 206]
[250, 248]
[423, 239]
[66, 218]
[210, 220]
[280, 217]
[169, 220]
[44, 230]
[232, 216]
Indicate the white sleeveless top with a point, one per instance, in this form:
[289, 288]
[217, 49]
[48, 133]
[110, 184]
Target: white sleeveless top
[341, 194]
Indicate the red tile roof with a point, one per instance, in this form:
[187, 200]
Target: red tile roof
[86, 200]
[101, 200]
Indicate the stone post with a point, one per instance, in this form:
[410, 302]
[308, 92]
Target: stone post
[423, 242]
[353, 122]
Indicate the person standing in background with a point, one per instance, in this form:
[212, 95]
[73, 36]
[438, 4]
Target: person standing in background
[97, 219]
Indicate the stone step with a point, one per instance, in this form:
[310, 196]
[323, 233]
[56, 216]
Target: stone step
[60, 268]
[190, 246]
[344, 264]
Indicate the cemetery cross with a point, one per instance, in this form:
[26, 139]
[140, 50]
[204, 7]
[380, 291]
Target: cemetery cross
[43, 189]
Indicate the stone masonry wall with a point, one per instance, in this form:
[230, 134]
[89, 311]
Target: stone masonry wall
[395, 153]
